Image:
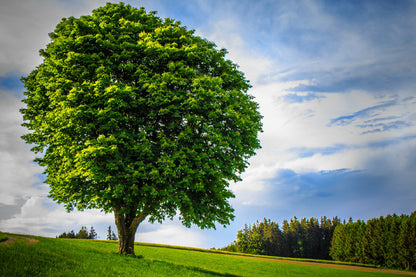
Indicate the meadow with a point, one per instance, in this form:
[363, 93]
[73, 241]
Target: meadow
[40, 256]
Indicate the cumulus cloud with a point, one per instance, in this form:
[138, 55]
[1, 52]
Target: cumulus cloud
[24, 28]
[39, 215]
[171, 233]
[18, 173]
[384, 186]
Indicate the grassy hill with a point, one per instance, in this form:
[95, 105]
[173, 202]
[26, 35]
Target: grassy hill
[40, 256]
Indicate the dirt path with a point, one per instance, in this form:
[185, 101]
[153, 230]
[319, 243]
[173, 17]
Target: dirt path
[11, 240]
[337, 266]
[31, 241]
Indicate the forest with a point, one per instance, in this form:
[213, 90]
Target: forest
[386, 241]
[84, 234]
[307, 238]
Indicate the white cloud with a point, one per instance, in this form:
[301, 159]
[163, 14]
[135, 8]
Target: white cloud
[292, 127]
[24, 28]
[39, 215]
[18, 172]
[171, 233]
[225, 34]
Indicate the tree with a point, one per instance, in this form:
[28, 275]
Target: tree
[62, 236]
[110, 234]
[137, 116]
[71, 234]
[82, 234]
[338, 245]
[92, 234]
[388, 242]
[304, 239]
[113, 236]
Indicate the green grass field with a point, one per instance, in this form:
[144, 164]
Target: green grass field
[70, 257]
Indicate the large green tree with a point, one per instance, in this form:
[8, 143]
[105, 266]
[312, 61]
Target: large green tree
[136, 115]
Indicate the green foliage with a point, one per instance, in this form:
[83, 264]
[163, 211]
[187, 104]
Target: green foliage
[307, 238]
[386, 241]
[137, 115]
[52, 257]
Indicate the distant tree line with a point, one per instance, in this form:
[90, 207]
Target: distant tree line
[84, 234]
[307, 238]
[386, 241]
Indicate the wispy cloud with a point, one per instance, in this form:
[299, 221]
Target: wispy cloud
[17, 171]
[365, 113]
[392, 141]
[382, 127]
[304, 152]
[299, 98]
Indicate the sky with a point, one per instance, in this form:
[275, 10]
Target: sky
[334, 80]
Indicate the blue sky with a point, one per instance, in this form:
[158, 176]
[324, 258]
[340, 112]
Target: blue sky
[335, 81]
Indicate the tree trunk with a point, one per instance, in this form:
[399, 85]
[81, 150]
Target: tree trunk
[126, 227]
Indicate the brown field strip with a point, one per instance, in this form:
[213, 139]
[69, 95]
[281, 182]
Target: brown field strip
[11, 240]
[337, 266]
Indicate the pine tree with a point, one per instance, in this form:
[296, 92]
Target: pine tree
[109, 237]
[273, 238]
[92, 234]
[327, 232]
[337, 250]
[286, 248]
[63, 235]
[412, 240]
[113, 236]
[110, 234]
[71, 235]
[82, 234]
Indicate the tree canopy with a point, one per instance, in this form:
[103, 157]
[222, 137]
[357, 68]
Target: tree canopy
[136, 115]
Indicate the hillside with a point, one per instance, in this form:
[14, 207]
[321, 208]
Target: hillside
[37, 256]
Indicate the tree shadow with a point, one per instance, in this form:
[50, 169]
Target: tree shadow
[198, 269]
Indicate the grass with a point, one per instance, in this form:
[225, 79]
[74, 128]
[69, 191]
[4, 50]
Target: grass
[256, 256]
[70, 257]
[3, 236]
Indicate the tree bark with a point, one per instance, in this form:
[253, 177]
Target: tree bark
[126, 227]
